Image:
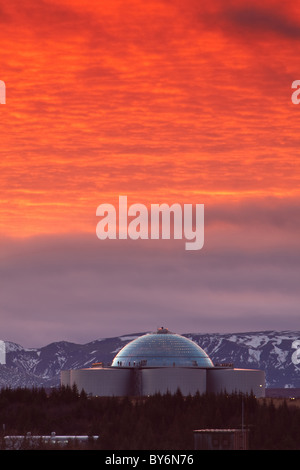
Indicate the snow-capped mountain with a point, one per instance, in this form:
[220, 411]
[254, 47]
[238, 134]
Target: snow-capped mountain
[277, 353]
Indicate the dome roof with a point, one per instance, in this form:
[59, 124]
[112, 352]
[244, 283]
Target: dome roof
[162, 349]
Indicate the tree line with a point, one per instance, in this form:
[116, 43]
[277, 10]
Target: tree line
[164, 422]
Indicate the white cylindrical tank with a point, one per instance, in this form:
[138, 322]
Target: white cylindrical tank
[236, 380]
[168, 380]
[103, 382]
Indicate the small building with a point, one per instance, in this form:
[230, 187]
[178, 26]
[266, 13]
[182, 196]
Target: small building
[221, 439]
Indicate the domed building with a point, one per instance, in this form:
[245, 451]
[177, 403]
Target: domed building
[162, 362]
[162, 349]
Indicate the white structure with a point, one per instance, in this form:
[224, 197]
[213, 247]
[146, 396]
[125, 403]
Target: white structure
[29, 441]
[164, 362]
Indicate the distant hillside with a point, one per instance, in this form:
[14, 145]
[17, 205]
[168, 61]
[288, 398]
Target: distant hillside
[273, 351]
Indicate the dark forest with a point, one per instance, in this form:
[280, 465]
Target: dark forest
[160, 422]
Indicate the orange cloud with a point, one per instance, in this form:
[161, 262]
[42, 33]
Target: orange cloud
[159, 101]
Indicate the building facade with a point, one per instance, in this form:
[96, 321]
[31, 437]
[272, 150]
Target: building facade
[164, 362]
[221, 439]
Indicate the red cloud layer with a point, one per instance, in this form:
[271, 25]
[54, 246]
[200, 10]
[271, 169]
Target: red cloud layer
[161, 101]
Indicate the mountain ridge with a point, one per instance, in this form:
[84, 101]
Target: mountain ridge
[276, 352]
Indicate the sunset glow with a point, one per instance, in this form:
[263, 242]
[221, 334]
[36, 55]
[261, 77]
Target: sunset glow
[155, 100]
[176, 102]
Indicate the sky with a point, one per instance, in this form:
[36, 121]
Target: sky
[166, 102]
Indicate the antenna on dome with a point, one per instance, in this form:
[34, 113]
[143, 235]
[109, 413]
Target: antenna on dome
[162, 329]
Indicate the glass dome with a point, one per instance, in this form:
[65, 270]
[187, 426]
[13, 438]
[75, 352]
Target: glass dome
[162, 349]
